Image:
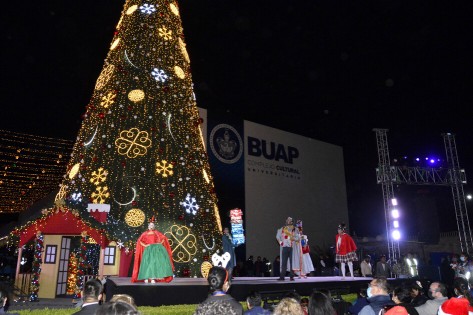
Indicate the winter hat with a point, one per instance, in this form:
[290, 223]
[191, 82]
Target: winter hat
[454, 306]
[397, 310]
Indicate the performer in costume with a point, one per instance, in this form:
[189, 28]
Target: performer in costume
[307, 265]
[297, 250]
[285, 237]
[229, 247]
[153, 257]
[345, 250]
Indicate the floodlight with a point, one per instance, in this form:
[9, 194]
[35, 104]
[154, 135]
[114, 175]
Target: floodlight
[395, 213]
[396, 235]
[396, 224]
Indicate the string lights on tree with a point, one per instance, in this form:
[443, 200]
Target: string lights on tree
[36, 267]
[139, 152]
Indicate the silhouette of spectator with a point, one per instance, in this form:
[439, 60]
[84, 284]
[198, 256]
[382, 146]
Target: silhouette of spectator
[250, 267]
[123, 298]
[320, 304]
[360, 302]
[277, 266]
[92, 294]
[259, 267]
[117, 308]
[219, 283]
[288, 306]
[253, 302]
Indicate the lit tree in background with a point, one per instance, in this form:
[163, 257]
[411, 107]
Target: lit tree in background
[140, 151]
[71, 274]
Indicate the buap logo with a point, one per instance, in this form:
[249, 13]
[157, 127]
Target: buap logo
[226, 144]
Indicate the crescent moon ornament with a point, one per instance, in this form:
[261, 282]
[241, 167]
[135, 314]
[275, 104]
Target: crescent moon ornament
[91, 139]
[169, 127]
[132, 199]
[128, 60]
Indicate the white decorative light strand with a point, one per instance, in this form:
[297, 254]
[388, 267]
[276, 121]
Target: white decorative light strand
[205, 244]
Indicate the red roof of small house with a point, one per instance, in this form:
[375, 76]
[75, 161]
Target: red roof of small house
[61, 223]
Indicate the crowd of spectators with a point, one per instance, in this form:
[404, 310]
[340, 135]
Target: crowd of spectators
[452, 295]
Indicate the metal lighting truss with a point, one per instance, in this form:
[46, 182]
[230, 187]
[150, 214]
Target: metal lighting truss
[453, 176]
[385, 178]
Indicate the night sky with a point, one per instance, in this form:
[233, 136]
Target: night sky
[329, 70]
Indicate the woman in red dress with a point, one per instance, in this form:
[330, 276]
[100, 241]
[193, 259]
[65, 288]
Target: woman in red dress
[345, 250]
[153, 257]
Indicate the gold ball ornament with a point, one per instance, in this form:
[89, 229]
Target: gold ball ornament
[131, 9]
[135, 217]
[174, 9]
[136, 95]
[182, 46]
[115, 44]
[179, 72]
[74, 170]
[205, 268]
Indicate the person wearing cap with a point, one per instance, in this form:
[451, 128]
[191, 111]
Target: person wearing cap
[455, 306]
[285, 237]
[461, 303]
[345, 250]
[382, 268]
[153, 257]
[438, 295]
[365, 266]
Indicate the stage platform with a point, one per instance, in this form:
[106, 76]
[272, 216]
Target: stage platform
[195, 290]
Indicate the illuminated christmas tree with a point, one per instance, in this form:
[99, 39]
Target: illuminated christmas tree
[71, 274]
[140, 151]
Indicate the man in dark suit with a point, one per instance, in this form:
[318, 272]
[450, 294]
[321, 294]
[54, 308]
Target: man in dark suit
[92, 293]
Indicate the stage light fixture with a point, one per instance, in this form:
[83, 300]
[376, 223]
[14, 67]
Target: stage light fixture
[396, 235]
[396, 224]
[395, 213]
[394, 202]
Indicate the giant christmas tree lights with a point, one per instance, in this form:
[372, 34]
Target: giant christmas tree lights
[140, 151]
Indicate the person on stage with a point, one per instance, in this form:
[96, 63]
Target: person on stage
[285, 237]
[229, 247]
[297, 259]
[153, 257]
[345, 250]
[307, 265]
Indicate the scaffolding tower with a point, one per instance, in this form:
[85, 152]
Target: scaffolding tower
[453, 176]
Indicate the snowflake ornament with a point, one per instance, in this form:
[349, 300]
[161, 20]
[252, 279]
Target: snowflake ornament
[165, 168]
[147, 8]
[159, 75]
[108, 100]
[120, 244]
[165, 33]
[76, 196]
[100, 195]
[98, 176]
[190, 204]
